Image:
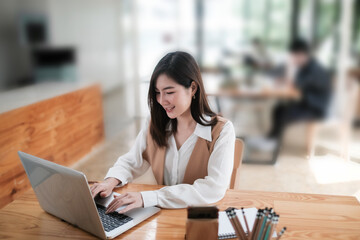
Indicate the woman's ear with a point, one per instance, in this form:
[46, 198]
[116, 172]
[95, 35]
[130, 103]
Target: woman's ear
[194, 87]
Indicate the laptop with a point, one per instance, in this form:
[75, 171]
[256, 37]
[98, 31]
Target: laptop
[65, 193]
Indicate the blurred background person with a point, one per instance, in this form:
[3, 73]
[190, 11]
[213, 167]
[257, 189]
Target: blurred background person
[313, 82]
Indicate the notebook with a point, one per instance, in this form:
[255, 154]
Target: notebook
[226, 230]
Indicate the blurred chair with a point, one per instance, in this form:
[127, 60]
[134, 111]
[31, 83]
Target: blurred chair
[238, 156]
[339, 121]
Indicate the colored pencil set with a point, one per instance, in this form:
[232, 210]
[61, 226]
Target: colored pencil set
[264, 226]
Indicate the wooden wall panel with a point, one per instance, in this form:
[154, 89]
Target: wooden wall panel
[62, 129]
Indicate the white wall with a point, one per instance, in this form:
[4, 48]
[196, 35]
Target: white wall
[93, 27]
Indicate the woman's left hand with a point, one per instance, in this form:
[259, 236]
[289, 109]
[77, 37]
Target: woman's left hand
[131, 199]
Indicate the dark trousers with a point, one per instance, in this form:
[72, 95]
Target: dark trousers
[287, 113]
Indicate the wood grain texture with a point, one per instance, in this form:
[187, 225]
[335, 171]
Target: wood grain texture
[307, 216]
[61, 129]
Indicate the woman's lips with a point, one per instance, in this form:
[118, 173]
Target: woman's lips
[169, 109]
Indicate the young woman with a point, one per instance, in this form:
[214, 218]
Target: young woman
[189, 148]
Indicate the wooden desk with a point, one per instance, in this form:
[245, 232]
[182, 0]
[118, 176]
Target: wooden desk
[61, 125]
[307, 216]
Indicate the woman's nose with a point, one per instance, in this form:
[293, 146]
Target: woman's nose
[162, 99]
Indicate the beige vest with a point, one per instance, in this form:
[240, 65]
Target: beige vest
[198, 162]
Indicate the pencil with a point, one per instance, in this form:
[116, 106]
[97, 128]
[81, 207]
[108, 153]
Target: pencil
[238, 224]
[232, 221]
[262, 225]
[252, 233]
[273, 228]
[270, 231]
[281, 233]
[267, 224]
[245, 220]
[259, 225]
[270, 228]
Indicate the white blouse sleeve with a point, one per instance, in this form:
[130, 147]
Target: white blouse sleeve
[131, 164]
[203, 191]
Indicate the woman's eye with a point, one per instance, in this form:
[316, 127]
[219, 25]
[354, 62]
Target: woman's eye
[170, 93]
[157, 93]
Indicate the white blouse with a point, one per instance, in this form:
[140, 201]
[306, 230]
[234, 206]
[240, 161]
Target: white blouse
[177, 195]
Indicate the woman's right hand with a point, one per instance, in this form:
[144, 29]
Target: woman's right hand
[104, 189]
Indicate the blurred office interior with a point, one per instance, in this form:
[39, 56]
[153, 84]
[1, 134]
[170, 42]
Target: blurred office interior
[60, 45]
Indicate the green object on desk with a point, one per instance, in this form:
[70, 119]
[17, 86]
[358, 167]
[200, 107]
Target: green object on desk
[268, 232]
[262, 227]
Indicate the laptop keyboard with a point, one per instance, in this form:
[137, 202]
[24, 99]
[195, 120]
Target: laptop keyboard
[112, 220]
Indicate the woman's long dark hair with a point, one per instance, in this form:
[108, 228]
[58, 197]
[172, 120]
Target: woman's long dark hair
[182, 68]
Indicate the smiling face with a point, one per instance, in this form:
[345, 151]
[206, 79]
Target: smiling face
[174, 82]
[173, 97]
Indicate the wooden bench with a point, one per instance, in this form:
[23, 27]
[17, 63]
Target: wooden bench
[61, 129]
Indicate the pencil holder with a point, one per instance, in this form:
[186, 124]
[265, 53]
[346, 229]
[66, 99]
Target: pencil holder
[202, 223]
